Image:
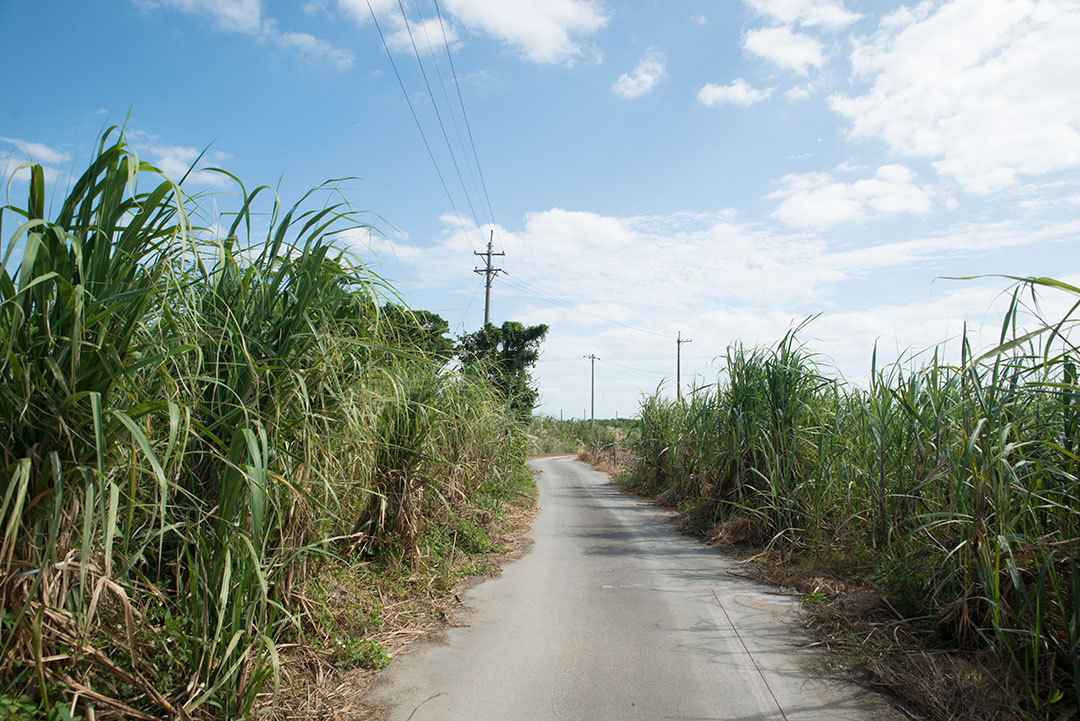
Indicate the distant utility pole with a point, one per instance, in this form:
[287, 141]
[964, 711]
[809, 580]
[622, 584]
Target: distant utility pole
[678, 362]
[490, 272]
[592, 386]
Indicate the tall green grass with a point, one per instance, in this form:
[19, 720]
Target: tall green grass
[957, 482]
[193, 416]
[549, 436]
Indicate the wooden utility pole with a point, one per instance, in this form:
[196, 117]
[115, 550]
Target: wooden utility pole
[678, 362]
[592, 386]
[490, 273]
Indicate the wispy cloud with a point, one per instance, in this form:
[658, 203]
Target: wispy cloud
[247, 17]
[738, 92]
[424, 32]
[175, 161]
[307, 46]
[643, 78]
[244, 16]
[830, 14]
[37, 152]
[21, 152]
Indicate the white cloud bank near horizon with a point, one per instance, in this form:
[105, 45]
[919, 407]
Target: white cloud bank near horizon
[623, 287]
[961, 120]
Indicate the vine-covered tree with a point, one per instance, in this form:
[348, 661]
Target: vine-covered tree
[505, 354]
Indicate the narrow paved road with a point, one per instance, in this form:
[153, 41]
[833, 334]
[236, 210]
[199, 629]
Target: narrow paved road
[614, 616]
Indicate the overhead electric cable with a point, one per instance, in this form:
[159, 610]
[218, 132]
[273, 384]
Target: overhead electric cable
[449, 105]
[631, 368]
[468, 127]
[461, 323]
[419, 127]
[438, 115]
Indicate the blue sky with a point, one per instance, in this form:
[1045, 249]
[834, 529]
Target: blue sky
[718, 168]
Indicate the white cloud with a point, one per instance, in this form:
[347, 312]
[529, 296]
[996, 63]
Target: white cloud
[799, 92]
[785, 49]
[360, 12]
[817, 200]
[600, 280]
[174, 161]
[986, 89]
[37, 152]
[25, 152]
[426, 33]
[243, 16]
[246, 16]
[739, 92]
[645, 76]
[308, 46]
[827, 13]
[542, 31]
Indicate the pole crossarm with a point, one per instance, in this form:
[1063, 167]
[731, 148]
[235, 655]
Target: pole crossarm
[489, 272]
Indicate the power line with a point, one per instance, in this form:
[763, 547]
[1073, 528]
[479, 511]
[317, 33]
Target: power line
[461, 323]
[416, 119]
[465, 115]
[446, 96]
[435, 106]
[631, 368]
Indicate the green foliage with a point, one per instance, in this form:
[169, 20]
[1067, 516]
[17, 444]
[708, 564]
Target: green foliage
[193, 419]
[420, 330]
[958, 483]
[21, 708]
[364, 653]
[548, 436]
[504, 354]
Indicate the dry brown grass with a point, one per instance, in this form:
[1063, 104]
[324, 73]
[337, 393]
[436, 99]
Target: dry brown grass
[317, 686]
[606, 460]
[870, 638]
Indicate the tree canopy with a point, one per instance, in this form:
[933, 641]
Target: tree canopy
[419, 329]
[504, 355]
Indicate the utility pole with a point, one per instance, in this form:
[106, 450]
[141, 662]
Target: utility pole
[490, 273]
[678, 362]
[592, 386]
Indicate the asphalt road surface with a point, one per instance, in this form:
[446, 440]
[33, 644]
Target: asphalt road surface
[615, 616]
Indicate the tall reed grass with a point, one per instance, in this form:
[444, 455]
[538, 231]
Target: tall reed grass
[192, 417]
[957, 482]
